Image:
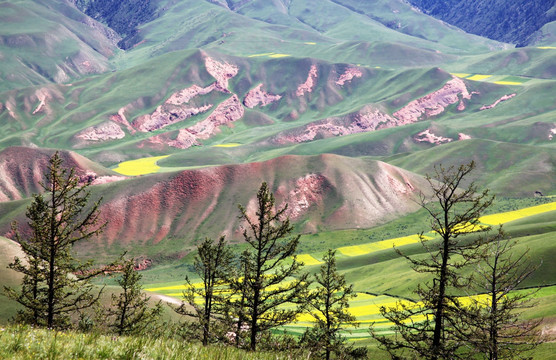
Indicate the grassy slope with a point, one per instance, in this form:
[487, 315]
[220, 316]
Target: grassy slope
[514, 130]
[49, 41]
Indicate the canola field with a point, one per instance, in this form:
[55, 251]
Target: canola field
[495, 79]
[228, 145]
[366, 307]
[270, 55]
[140, 166]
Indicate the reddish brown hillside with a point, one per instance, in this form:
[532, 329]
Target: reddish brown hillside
[23, 168]
[322, 192]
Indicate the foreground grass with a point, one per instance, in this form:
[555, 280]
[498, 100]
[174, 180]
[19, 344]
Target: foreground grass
[22, 342]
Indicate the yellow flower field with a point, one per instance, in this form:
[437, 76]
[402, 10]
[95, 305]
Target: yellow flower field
[140, 166]
[502, 218]
[270, 55]
[308, 260]
[363, 249]
[228, 145]
[479, 77]
[278, 55]
[507, 83]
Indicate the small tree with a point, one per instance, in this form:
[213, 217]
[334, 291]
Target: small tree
[130, 309]
[495, 329]
[429, 329]
[266, 265]
[329, 305]
[214, 265]
[55, 284]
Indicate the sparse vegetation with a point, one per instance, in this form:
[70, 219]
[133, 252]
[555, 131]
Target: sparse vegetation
[55, 285]
[129, 312]
[263, 269]
[211, 98]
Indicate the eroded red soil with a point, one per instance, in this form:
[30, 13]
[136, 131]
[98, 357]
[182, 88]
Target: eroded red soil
[258, 96]
[309, 84]
[429, 137]
[435, 103]
[503, 98]
[350, 74]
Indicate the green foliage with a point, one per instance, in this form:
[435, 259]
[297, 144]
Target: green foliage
[55, 285]
[23, 343]
[329, 306]
[430, 329]
[214, 266]
[493, 325]
[129, 311]
[513, 22]
[263, 288]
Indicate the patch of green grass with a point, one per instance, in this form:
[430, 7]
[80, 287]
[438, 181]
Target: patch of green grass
[22, 342]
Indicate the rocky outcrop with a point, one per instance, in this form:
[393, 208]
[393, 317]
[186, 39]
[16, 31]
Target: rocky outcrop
[372, 119]
[258, 96]
[309, 84]
[22, 169]
[222, 72]
[552, 133]
[434, 103]
[176, 108]
[185, 95]
[103, 132]
[306, 191]
[120, 118]
[428, 136]
[348, 75]
[503, 98]
[368, 119]
[462, 136]
[166, 115]
[225, 114]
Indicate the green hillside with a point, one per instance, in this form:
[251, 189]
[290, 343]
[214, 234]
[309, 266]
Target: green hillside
[177, 111]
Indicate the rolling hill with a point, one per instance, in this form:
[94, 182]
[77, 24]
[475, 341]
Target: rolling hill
[176, 111]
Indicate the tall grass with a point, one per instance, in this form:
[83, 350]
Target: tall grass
[23, 342]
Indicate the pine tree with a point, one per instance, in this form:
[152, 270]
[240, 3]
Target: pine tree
[55, 284]
[130, 309]
[494, 327]
[214, 265]
[329, 305]
[453, 212]
[266, 265]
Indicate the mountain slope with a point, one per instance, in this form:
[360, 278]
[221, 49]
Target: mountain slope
[168, 212]
[23, 169]
[513, 22]
[50, 41]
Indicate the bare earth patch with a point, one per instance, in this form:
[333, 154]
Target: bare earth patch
[258, 96]
[308, 85]
[503, 98]
[106, 131]
[431, 138]
[435, 103]
[350, 74]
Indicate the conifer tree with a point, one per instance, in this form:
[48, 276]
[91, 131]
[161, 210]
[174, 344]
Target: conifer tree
[55, 284]
[493, 325]
[130, 309]
[429, 329]
[329, 306]
[214, 265]
[266, 265]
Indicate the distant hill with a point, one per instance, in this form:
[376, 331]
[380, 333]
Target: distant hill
[507, 21]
